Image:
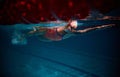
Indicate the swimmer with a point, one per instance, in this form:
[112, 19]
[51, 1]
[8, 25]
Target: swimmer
[57, 33]
[60, 30]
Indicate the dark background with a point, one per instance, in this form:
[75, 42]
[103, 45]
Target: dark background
[14, 11]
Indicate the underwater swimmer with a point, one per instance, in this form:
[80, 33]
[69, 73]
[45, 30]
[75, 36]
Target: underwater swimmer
[58, 33]
[60, 30]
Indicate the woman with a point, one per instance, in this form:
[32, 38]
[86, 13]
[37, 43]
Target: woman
[48, 31]
[58, 33]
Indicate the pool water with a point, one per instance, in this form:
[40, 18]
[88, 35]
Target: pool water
[92, 54]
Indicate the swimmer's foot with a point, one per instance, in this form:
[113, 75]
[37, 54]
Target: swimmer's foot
[33, 31]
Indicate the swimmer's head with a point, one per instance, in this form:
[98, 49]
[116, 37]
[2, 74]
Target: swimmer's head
[73, 24]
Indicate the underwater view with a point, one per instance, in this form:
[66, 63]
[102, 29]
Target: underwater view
[78, 47]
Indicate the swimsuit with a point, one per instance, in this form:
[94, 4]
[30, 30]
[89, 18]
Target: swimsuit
[53, 34]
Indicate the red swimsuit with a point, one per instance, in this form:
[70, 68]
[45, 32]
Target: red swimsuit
[52, 34]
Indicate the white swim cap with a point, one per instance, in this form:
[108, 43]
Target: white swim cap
[74, 23]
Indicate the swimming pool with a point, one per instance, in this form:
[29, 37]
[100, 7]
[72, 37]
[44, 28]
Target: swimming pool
[92, 54]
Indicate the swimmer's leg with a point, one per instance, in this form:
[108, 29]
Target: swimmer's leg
[32, 31]
[37, 29]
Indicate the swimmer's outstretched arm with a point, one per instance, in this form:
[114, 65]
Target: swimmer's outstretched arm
[92, 28]
[110, 18]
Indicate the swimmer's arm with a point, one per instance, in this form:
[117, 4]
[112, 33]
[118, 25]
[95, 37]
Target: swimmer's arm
[92, 28]
[110, 18]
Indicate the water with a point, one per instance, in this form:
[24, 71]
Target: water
[91, 54]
